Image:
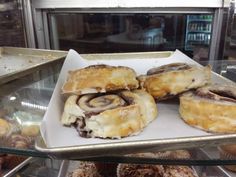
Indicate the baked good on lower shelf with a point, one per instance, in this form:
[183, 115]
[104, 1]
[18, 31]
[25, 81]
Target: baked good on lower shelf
[19, 141]
[140, 170]
[11, 161]
[110, 115]
[85, 169]
[30, 130]
[170, 80]
[228, 152]
[150, 170]
[100, 79]
[179, 171]
[5, 128]
[211, 108]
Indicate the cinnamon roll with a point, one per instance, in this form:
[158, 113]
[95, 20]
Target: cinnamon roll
[211, 108]
[100, 79]
[110, 115]
[169, 80]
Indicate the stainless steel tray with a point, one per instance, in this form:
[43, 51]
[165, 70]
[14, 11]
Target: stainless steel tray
[17, 62]
[120, 148]
[94, 151]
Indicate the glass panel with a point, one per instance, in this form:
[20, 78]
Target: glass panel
[229, 61]
[107, 33]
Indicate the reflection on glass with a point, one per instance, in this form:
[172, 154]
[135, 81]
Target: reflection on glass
[107, 33]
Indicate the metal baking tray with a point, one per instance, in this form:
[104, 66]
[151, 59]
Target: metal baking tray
[68, 166]
[17, 62]
[120, 148]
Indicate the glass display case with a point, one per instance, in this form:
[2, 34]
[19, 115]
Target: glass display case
[126, 27]
[25, 105]
[24, 100]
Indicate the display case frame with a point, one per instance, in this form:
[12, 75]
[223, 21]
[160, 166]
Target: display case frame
[36, 14]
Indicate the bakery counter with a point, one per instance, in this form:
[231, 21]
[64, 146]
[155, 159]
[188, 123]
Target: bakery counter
[22, 110]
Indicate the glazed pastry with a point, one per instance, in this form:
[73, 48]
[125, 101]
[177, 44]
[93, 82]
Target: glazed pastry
[170, 80]
[211, 108]
[100, 79]
[110, 115]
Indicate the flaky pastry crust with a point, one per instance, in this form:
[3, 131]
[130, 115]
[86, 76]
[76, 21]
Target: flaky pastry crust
[100, 79]
[211, 108]
[126, 113]
[169, 80]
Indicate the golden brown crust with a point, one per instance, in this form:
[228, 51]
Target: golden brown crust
[215, 113]
[170, 80]
[100, 79]
[119, 120]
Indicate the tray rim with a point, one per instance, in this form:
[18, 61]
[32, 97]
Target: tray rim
[122, 148]
[22, 72]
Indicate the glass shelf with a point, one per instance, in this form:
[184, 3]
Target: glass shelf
[24, 101]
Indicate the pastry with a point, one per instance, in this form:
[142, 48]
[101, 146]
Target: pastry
[100, 79]
[170, 80]
[177, 171]
[19, 141]
[31, 130]
[110, 115]
[85, 169]
[149, 170]
[11, 161]
[5, 128]
[228, 152]
[140, 170]
[211, 108]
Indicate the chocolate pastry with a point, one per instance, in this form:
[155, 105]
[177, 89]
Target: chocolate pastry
[100, 79]
[211, 108]
[170, 80]
[110, 115]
